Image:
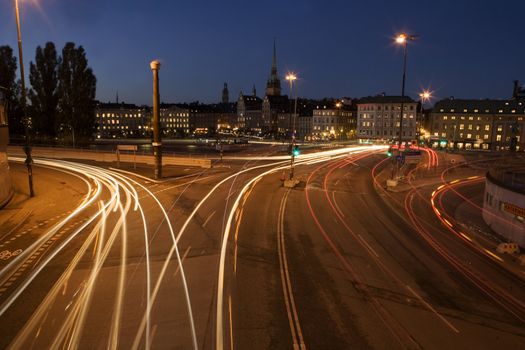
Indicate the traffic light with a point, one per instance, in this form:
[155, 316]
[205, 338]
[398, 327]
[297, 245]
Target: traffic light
[389, 152]
[296, 150]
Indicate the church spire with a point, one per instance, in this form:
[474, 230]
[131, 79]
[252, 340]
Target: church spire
[274, 61]
[273, 86]
[225, 94]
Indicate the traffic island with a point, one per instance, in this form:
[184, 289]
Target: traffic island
[291, 183]
[391, 183]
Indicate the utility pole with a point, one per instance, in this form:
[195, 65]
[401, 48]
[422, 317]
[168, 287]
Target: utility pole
[27, 147]
[291, 77]
[157, 144]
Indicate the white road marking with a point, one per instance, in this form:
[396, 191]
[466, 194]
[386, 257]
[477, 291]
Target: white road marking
[208, 218]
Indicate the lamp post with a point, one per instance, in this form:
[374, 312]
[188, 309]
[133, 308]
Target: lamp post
[402, 39]
[27, 147]
[291, 77]
[425, 97]
[157, 144]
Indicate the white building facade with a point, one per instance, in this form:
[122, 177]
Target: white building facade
[378, 118]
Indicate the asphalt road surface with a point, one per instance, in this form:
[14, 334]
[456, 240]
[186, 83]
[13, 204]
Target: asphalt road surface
[228, 258]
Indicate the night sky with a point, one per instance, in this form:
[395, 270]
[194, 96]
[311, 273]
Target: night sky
[467, 49]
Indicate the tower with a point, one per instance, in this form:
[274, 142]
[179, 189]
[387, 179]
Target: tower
[225, 94]
[273, 86]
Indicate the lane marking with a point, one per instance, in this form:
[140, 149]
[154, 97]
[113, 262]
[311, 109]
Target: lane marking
[432, 309]
[291, 310]
[336, 205]
[368, 246]
[208, 218]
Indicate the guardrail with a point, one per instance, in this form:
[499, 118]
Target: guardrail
[98, 156]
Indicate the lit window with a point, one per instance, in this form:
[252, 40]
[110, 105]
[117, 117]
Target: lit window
[487, 127]
[498, 137]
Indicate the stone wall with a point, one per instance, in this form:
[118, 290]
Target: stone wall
[6, 189]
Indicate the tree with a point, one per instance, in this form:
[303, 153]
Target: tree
[76, 92]
[43, 75]
[11, 89]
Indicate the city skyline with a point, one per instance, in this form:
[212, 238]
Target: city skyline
[334, 51]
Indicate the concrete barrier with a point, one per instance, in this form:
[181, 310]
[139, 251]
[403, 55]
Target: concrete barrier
[108, 157]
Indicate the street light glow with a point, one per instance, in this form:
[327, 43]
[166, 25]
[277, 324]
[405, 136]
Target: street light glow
[291, 77]
[425, 95]
[401, 38]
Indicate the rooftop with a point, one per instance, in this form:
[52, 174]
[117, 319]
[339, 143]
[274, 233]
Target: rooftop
[486, 106]
[385, 99]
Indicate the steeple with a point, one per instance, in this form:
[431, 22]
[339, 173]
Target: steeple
[225, 94]
[254, 91]
[273, 86]
[274, 60]
[117, 96]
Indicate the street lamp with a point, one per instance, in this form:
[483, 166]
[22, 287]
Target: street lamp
[291, 77]
[402, 39]
[157, 144]
[27, 147]
[425, 96]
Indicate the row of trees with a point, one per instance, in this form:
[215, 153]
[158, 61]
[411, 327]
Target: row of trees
[61, 96]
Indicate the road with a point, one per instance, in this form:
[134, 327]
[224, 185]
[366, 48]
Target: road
[229, 258]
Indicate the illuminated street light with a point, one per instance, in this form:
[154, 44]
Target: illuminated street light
[291, 77]
[425, 96]
[27, 147]
[402, 39]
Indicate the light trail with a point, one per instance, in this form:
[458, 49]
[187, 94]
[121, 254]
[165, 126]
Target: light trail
[122, 197]
[118, 199]
[219, 334]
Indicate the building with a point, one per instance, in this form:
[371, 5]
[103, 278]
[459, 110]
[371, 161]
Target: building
[333, 120]
[249, 113]
[207, 119]
[504, 201]
[121, 120]
[518, 93]
[276, 115]
[304, 127]
[174, 120]
[378, 118]
[6, 189]
[478, 124]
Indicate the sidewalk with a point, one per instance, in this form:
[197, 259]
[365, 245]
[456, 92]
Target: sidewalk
[56, 194]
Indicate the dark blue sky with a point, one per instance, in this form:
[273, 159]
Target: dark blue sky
[469, 49]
